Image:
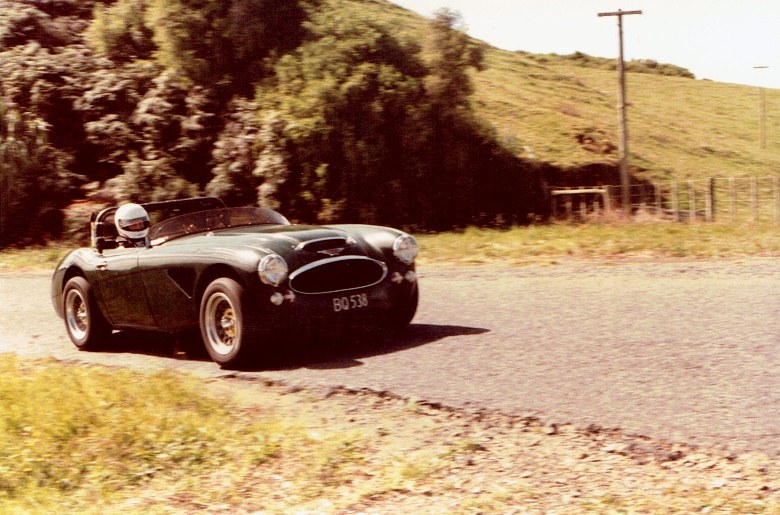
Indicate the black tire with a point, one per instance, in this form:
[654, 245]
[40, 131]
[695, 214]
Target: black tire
[402, 314]
[86, 326]
[228, 325]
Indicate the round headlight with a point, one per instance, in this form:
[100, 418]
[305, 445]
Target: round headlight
[272, 270]
[406, 248]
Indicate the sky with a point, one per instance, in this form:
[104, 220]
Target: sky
[720, 40]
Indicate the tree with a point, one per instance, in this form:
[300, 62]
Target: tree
[217, 43]
[170, 134]
[50, 24]
[342, 106]
[34, 180]
[234, 155]
[119, 31]
[454, 54]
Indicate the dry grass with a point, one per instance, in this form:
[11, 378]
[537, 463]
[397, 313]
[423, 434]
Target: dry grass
[680, 128]
[101, 440]
[543, 244]
[549, 243]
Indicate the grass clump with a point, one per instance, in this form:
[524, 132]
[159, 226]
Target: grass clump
[71, 429]
[87, 437]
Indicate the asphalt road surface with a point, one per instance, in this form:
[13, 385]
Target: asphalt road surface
[681, 351]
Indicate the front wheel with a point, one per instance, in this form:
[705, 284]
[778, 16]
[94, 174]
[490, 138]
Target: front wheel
[401, 315]
[227, 326]
[86, 326]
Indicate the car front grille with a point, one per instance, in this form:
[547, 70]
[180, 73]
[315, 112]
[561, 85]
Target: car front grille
[338, 274]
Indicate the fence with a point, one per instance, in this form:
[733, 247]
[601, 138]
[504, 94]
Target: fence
[731, 199]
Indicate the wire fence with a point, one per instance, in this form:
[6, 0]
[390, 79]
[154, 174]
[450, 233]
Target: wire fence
[729, 199]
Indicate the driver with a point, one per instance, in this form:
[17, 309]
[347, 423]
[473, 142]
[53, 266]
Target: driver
[132, 224]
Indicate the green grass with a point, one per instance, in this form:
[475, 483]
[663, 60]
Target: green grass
[88, 439]
[85, 438]
[33, 258]
[680, 128]
[543, 244]
[550, 243]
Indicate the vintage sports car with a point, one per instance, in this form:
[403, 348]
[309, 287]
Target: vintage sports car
[243, 276]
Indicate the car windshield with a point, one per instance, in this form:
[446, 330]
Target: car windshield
[213, 220]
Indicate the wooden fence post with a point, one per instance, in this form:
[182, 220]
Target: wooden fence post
[733, 198]
[776, 190]
[710, 200]
[754, 197]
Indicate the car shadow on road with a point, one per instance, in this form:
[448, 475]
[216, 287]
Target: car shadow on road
[150, 343]
[321, 352]
[347, 353]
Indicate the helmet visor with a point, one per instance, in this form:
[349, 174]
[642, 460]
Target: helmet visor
[136, 224]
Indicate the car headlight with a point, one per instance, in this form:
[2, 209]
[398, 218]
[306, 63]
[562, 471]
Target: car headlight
[273, 270]
[406, 248]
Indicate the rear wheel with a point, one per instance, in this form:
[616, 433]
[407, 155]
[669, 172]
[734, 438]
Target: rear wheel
[228, 326]
[86, 326]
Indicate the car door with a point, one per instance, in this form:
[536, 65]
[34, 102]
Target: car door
[122, 289]
[169, 280]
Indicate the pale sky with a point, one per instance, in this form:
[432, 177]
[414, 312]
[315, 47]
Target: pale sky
[721, 40]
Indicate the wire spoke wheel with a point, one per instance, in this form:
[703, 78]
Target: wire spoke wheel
[76, 314]
[228, 323]
[222, 324]
[86, 326]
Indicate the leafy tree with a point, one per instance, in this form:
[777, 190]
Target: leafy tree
[34, 180]
[50, 24]
[235, 154]
[449, 84]
[341, 106]
[165, 141]
[119, 31]
[217, 43]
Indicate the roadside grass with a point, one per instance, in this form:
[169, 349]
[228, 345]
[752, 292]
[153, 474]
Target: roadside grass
[541, 244]
[86, 438]
[90, 439]
[549, 244]
[32, 258]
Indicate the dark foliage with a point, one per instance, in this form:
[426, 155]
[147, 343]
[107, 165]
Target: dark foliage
[301, 105]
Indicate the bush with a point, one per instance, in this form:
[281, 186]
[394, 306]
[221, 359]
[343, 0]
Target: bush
[34, 181]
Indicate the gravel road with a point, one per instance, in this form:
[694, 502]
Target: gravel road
[681, 351]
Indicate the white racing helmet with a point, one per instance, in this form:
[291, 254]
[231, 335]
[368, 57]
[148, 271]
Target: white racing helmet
[132, 222]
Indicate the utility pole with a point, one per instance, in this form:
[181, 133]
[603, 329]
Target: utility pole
[625, 180]
[762, 110]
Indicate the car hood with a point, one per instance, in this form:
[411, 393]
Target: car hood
[289, 240]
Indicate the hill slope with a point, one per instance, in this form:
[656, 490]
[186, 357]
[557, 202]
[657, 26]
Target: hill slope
[564, 114]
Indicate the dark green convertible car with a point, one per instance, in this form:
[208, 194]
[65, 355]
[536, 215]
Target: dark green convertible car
[243, 276]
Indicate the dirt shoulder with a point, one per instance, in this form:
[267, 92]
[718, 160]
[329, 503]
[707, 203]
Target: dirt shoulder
[459, 461]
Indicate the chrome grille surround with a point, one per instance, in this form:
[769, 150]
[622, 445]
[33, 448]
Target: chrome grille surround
[324, 245]
[338, 274]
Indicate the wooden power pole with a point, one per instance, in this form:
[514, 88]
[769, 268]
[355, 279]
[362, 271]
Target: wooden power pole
[625, 181]
[762, 111]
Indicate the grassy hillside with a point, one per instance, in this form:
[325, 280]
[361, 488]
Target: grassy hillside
[565, 114]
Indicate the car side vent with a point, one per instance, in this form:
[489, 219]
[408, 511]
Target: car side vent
[323, 245]
[338, 274]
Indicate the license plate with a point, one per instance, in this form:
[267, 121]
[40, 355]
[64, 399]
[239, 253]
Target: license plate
[350, 302]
